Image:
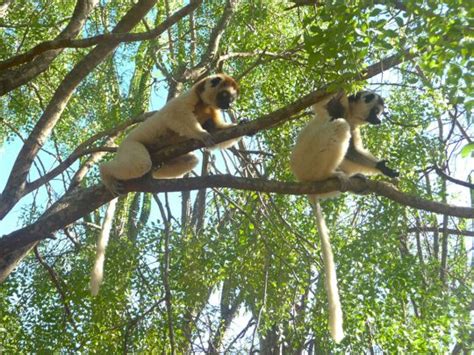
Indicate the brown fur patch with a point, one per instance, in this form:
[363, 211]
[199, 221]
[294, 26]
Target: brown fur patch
[201, 87]
[228, 81]
[203, 112]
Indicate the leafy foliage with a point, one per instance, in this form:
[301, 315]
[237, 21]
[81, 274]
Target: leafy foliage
[241, 271]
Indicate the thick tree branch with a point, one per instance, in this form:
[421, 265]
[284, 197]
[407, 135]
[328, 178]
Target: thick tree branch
[298, 3]
[210, 56]
[80, 203]
[356, 185]
[15, 187]
[92, 41]
[14, 247]
[12, 79]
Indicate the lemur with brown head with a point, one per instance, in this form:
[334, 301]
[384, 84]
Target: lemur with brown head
[191, 115]
[331, 146]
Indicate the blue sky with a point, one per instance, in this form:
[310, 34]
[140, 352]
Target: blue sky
[8, 154]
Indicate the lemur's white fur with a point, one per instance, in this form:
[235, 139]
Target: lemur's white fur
[330, 281]
[97, 273]
[324, 149]
[185, 115]
[191, 115]
[321, 146]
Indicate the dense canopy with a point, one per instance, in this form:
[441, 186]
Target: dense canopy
[228, 259]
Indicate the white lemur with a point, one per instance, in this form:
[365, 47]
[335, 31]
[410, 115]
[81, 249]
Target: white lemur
[193, 115]
[331, 146]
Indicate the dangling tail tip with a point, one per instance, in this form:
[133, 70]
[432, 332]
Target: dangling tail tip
[337, 334]
[96, 281]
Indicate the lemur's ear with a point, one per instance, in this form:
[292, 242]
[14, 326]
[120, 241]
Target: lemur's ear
[215, 81]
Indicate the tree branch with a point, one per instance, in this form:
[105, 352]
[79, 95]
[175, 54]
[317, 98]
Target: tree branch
[453, 180]
[440, 230]
[356, 185]
[16, 183]
[12, 79]
[81, 43]
[57, 283]
[165, 268]
[80, 203]
[210, 55]
[66, 212]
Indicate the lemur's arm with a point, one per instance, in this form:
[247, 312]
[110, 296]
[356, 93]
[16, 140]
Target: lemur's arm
[356, 156]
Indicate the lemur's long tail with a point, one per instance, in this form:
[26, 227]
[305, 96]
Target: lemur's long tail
[335, 310]
[97, 273]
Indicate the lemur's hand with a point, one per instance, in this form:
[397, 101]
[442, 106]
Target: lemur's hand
[381, 165]
[207, 139]
[244, 121]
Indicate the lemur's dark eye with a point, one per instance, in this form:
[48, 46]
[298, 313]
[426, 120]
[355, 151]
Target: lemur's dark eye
[215, 81]
[369, 98]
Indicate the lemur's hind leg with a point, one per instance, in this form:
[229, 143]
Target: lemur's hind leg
[319, 150]
[131, 161]
[176, 167]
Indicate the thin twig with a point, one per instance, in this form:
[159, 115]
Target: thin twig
[57, 283]
[166, 268]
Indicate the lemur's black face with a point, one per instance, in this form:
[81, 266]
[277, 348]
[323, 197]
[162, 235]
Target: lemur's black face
[376, 110]
[374, 116]
[370, 106]
[224, 99]
[218, 91]
[227, 92]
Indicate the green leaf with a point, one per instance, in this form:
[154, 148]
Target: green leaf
[375, 12]
[467, 150]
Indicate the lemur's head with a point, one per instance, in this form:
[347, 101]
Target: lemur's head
[365, 107]
[218, 90]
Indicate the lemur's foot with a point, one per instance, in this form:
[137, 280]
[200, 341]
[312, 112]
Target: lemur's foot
[343, 180]
[207, 139]
[244, 121]
[116, 187]
[381, 165]
[364, 178]
[360, 176]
